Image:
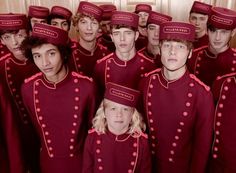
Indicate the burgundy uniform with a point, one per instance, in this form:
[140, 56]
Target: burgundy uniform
[13, 72]
[61, 114]
[223, 150]
[207, 66]
[126, 73]
[179, 116]
[105, 40]
[3, 50]
[109, 153]
[83, 61]
[141, 42]
[155, 58]
[10, 147]
[202, 41]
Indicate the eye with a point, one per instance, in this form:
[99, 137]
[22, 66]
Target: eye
[165, 45]
[52, 53]
[65, 24]
[36, 56]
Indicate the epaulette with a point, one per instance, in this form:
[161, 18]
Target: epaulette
[140, 50]
[200, 48]
[105, 57]
[152, 72]
[207, 88]
[226, 76]
[143, 56]
[233, 49]
[74, 44]
[144, 135]
[81, 76]
[91, 131]
[102, 47]
[33, 77]
[5, 56]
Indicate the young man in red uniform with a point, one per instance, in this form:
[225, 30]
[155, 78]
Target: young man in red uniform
[88, 50]
[11, 160]
[61, 103]
[198, 17]
[223, 151]
[125, 66]
[14, 69]
[218, 58]
[143, 11]
[37, 14]
[117, 144]
[105, 37]
[179, 108]
[152, 49]
[60, 17]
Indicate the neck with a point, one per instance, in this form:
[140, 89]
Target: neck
[90, 46]
[127, 55]
[20, 57]
[153, 49]
[173, 75]
[217, 51]
[59, 76]
[200, 34]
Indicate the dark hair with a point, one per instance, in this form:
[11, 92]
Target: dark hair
[53, 16]
[123, 26]
[29, 22]
[189, 44]
[32, 42]
[11, 31]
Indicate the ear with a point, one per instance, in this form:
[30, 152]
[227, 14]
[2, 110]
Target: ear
[136, 35]
[190, 53]
[111, 37]
[233, 32]
[2, 41]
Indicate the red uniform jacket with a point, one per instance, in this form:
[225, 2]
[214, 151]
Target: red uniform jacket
[83, 61]
[105, 40]
[179, 116]
[11, 160]
[13, 72]
[3, 50]
[224, 150]
[207, 66]
[156, 59]
[109, 153]
[200, 42]
[126, 73]
[61, 114]
[141, 42]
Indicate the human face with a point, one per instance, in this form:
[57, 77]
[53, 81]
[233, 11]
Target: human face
[34, 20]
[174, 56]
[219, 39]
[48, 59]
[118, 116]
[105, 26]
[143, 17]
[13, 41]
[153, 34]
[200, 23]
[88, 29]
[60, 23]
[124, 39]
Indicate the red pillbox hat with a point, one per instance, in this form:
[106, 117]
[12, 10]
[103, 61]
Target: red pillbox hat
[107, 11]
[13, 21]
[52, 34]
[177, 30]
[200, 7]
[157, 18]
[122, 95]
[143, 7]
[124, 18]
[61, 11]
[38, 12]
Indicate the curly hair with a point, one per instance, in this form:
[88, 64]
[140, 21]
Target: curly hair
[137, 126]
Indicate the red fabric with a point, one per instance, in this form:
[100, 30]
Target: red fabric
[13, 21]
[61, 11]
[61, 114]
[155, 58]
[52, 34]
[177, 30]
[200, 42]
[117, 154]
[157, 18]
[222, 18]
[143, 7]
[200, 7]
[179, 116]
[90, 9]
[223, 150]
[124, 18]
[38, 12]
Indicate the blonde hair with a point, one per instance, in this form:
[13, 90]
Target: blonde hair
[78, 16]
[137, 126]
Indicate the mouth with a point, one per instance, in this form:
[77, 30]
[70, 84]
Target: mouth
[123, 45]
[118, 122]
[47, 70]
[172, 60]
[217, 43]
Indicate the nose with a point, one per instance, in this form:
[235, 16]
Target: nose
[156, 32]
[172, 50]
[122, 37]
[45, 61]
[217, 35]
[89, 26]
[14, 40]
